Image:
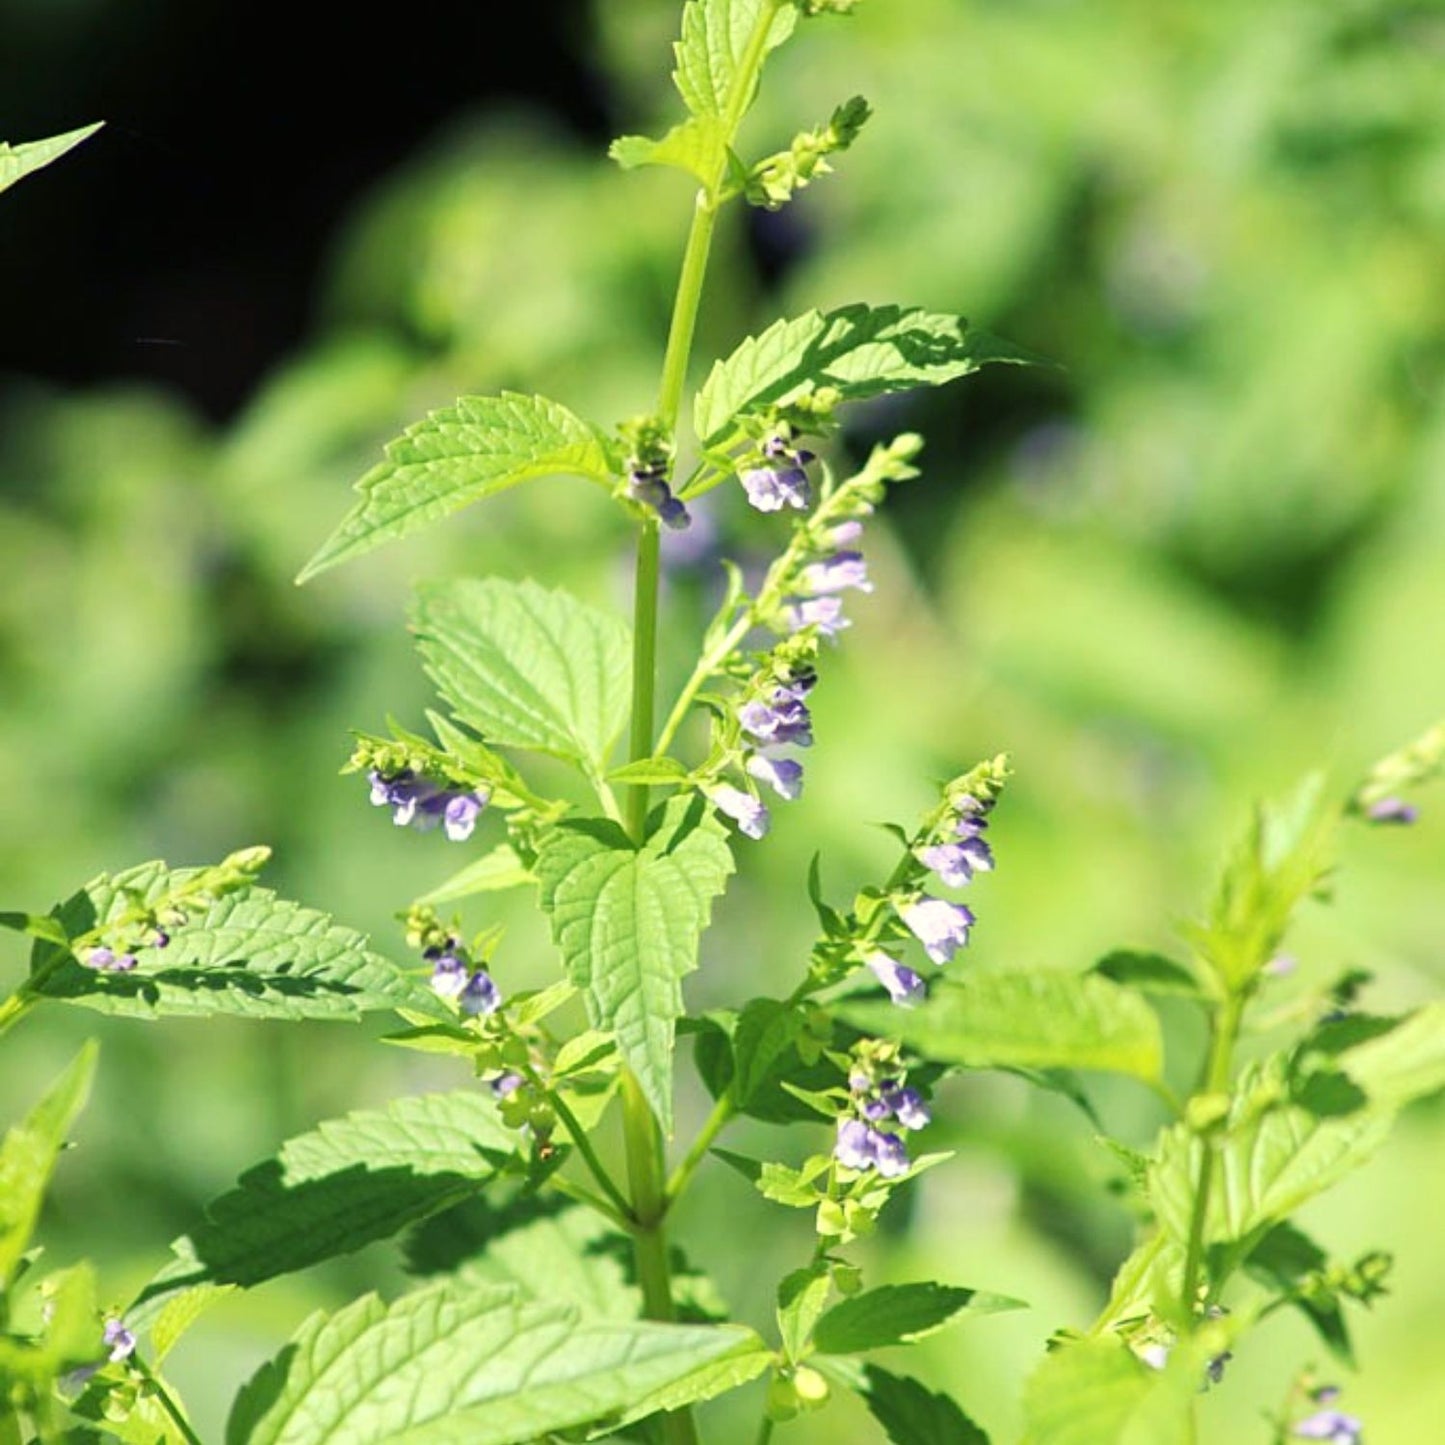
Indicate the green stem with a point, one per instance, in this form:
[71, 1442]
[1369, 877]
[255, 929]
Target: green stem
[765, 1430]
[167, 1403]
[582, 1195]
[1217, 1074]
[14, 1009]
[583, 1144]
[717, 1121]
[644, 670]
[706, 667]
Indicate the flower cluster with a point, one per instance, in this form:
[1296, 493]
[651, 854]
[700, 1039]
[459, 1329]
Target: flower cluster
[118, 1340]
[778, 480]
[107, 960]
[940, 926]
[453, 976]
[418, 802]
[647, 484]
[863, 1141]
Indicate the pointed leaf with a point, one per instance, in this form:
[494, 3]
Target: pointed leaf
[692, 146]
[1405, 1064]
[249, 954]
[628, 921]
[898, 1314]
[860, 350]
[1042, 1020]
[458, 455]
[20, 160]
[715, 38]
[527, 667]
[346, 1184]
[908, 1411]
[491, 873]
[455, 1364]
[28, 1154]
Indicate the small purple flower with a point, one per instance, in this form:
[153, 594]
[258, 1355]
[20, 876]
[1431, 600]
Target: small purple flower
[1332, 1425]
[783, 775]
[480, 995]
[824, 613]
[956, 863]
[771, 488]
[889, 1155]
[783, 720]
[648, 485]
[449, 974]
[160, 939]
[907, 1106]
[106, 960]
[874, 1108]
[843, 533]
[941, 927]
[505, 1085]
[905, 987]
[461, 813]
[750, 815]
[855, 1144]
[1392, 810]
[674, 515]
[836, 574]
[120, 1341]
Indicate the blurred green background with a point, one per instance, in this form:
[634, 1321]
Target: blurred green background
[1202, 559]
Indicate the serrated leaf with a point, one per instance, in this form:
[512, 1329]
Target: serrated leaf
[1271, 1159]
[628, 921]
[1043, 1019]
[28, 1154]
[348, 1183]
[909, 1412]
[693, 145]
[897, 1314]
[1097, 1390]
[649, 771]
[802, 1297]
[17, 161]
[491, 873]
[525, 666]
[1405, 1064]
[860, 350]
[458, 455]
[249, 954]
[710, 54]
[1283, 1261]
[459, 1364]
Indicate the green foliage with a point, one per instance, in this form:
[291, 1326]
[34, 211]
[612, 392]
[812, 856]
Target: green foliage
[527, 667]
[350, 1182]
[899, 1314]
[459, 455]
[1044, 1020]
[628, 920]
[712, 53]
[17, 161]
[909, 1412]
[493, 872]
[456, 1362]
[846, 355]
[245, 953]
[27, 1157]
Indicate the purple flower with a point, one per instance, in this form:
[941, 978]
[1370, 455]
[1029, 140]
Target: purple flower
[907, 1106]
[744, 809]
[956, 863]
[505, 1085]
[107, 961]
[480, 995]
[783, 720]
[855, 1144]
[674, 515]
[904, 986]
[648, 485]
[449, 974]
[941, 927]
[972, 817]
[120, 1340]
[1392, 810]
[461, 813]
[824, 613]
[1331, 1425]
[842, 534]
[771, 488]
[160, 939]
[836, 574]
[783, 775]
[889, 1156]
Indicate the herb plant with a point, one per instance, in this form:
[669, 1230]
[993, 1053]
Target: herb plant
[538, 1195]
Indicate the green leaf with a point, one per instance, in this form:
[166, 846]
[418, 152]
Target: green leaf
[180, 1311]
[1096, 1390]
[28, 1154]
[692, 146]
[802, 1297]
[715, 36]
[1293, 1266]
[898, 1314]
[249, 954]
[908, 1411]
[1043, 1019]
[1405, 1064]
[527, 667]
[458, 455]
[661, 771]
[20, 160]
[460, 1364]
[491, 873]
[37, 926]
[1272, 1158]
[860, 350]
[346, 1184]
[1148, 972]
[628, 920]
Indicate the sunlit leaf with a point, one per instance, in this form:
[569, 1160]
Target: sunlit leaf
[20, 160]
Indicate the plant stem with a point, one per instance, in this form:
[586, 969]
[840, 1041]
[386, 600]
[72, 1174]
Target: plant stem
[583, 1144]
[14, 1009]
[717, 1121]
[644, 671]
[765, 1430]
[1224, 1036]
[167, 1404]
